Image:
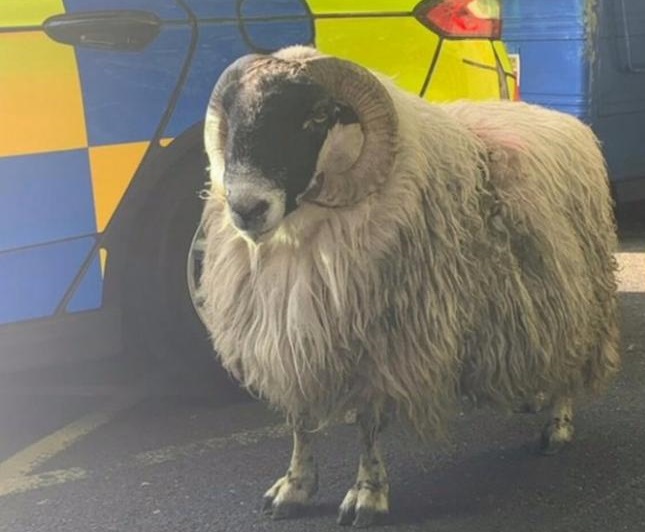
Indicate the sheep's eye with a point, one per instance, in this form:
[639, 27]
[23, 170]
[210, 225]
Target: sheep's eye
[319, 116]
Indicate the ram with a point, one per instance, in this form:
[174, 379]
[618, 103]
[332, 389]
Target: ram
[368, 250]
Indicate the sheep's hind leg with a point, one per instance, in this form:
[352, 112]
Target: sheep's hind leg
[559, 429]
[289, 495]
[367, 501]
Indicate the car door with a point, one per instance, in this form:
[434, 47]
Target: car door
[84, 88]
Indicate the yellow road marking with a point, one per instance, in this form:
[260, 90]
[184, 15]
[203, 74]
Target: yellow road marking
[24, 462]
[42, 480]
[23, 483]
[243, 438]
[15, 472]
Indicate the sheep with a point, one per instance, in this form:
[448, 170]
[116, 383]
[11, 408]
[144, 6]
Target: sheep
[369, 250]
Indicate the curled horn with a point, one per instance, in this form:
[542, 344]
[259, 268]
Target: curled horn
[215, 127]
[363, 92]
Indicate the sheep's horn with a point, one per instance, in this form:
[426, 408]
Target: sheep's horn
[372, 103]
[215, 127]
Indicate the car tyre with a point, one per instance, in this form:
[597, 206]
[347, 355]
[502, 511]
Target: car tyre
[160, 320]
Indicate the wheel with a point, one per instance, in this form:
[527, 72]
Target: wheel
[194, 268]
[161, 323]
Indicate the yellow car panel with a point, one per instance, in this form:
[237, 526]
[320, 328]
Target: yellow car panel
[39, 84]
[502, 55]
[361, 6]
[396, 46]
[504, 59]
[113, 167]
[464, 69]
[103, 255]
[21, 13]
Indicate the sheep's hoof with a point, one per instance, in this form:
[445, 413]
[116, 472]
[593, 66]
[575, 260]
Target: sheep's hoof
[285, 510]
[363, 507]
[556, 435]
[288, 497]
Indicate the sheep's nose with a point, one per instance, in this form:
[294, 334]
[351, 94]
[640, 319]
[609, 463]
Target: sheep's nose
[248, 213]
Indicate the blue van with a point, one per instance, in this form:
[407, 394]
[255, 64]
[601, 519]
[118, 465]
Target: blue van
[587, 58]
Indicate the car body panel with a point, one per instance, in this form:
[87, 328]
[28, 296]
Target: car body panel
[45, 198]
[392, 45]
[464, 69]
[217, 46]
[89, 292]
[207, 10]
[550, 33]
[507, 67]
[276, 9]
[166, 10]
[363, 7]
[113, 167]
[35, 279]
[25, 13]
[587, 58]
[117, 85]
[267, 36]
[41, 102]
[72, 146]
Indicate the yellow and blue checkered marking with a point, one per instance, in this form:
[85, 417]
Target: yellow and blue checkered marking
[34, 280]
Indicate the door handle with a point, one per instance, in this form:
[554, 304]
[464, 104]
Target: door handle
[123, 30]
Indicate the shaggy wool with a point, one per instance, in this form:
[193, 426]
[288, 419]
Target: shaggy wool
[483, 267]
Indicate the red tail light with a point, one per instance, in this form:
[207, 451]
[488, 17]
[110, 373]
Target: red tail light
[461, 18]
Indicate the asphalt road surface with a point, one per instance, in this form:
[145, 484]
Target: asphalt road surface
[100, 449]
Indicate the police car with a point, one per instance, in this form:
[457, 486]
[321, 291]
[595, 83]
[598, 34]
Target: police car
[101, 155]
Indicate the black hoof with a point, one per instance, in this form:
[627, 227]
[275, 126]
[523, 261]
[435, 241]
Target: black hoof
[267, 505]
[346, 516]
[550, 446]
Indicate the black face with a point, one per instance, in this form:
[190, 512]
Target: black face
[276, 130]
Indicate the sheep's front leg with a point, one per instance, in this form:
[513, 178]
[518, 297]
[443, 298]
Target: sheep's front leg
[559, 429]
[367, 500]
[293, 491]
